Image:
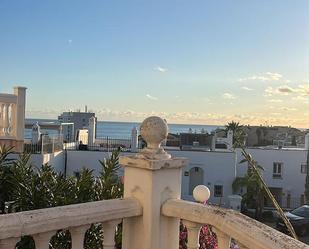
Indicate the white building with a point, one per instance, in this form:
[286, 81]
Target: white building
[216, 170]
[284, 172]
[80, 120]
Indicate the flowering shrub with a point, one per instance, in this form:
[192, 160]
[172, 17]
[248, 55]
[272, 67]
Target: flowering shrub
[207, 240]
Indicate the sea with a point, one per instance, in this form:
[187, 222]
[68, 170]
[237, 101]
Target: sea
[123, 129]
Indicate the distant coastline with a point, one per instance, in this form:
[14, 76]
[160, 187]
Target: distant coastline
[115, 129]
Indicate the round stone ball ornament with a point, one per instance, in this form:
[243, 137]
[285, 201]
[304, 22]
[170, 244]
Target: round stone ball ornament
[201, 193]
[154, 130]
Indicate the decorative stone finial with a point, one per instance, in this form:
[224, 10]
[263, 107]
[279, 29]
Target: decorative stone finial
[154, 130]
[201, 193]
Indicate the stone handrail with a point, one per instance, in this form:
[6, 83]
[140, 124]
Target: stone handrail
[43, 224]
[227, 224]
[8, 98]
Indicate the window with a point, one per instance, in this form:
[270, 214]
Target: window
[303, 168]
[218, 191]
[277, 170]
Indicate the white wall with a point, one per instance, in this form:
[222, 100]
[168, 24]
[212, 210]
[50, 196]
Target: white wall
[293, 181]
[76, 160]
[219, 169]
[37, 160]
[55, 159]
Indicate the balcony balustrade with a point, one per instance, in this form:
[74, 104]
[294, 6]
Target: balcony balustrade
[150, 210]
[12, 118]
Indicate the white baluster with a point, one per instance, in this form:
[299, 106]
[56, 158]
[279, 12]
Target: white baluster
[1, 118]
[13, 119]
[78, 236]
[8, 112]
[224, 240]
[193, 234]
[8, 243]
[42, 239]
[109, 230]
[6, 119]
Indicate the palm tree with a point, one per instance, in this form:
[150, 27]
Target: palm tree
[238, 133]
[254, 195]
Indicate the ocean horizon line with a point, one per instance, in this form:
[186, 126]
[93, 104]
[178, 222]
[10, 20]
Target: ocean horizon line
[131, 122]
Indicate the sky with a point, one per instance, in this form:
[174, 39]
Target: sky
[197, 62]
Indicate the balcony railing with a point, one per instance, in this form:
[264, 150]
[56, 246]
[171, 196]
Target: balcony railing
[12, 118]
[150, 210]
[44, 223]
[228, 224]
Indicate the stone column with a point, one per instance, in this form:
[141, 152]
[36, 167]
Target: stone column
[36, 133]
[230, 140]
[92, 130]
[152, 177]
[134, 140]
[20, 92]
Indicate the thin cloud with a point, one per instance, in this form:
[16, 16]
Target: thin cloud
[264, 77]
[301, 90]
[288, 109]
[151, 97]
[228, 96]
[161, 69]
[286, 89]
[275, 100]
[246, 88]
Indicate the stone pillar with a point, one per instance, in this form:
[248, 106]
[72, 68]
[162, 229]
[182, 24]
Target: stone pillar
[36, 133]
[213, 142]
[152, 177]
[92, 130]
[229, 139]
[307, 141]
[20, 92]
[134, 140]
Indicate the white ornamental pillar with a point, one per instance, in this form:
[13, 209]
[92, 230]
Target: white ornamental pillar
[152, 177]
[20, 92]
[307, 141]
[134, 140]
[1, 119]
[36, 133]
[92, 130]
[230, 140]
[213, 142]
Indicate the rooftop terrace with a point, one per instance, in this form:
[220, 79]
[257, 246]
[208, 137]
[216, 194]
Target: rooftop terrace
[150, 210]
